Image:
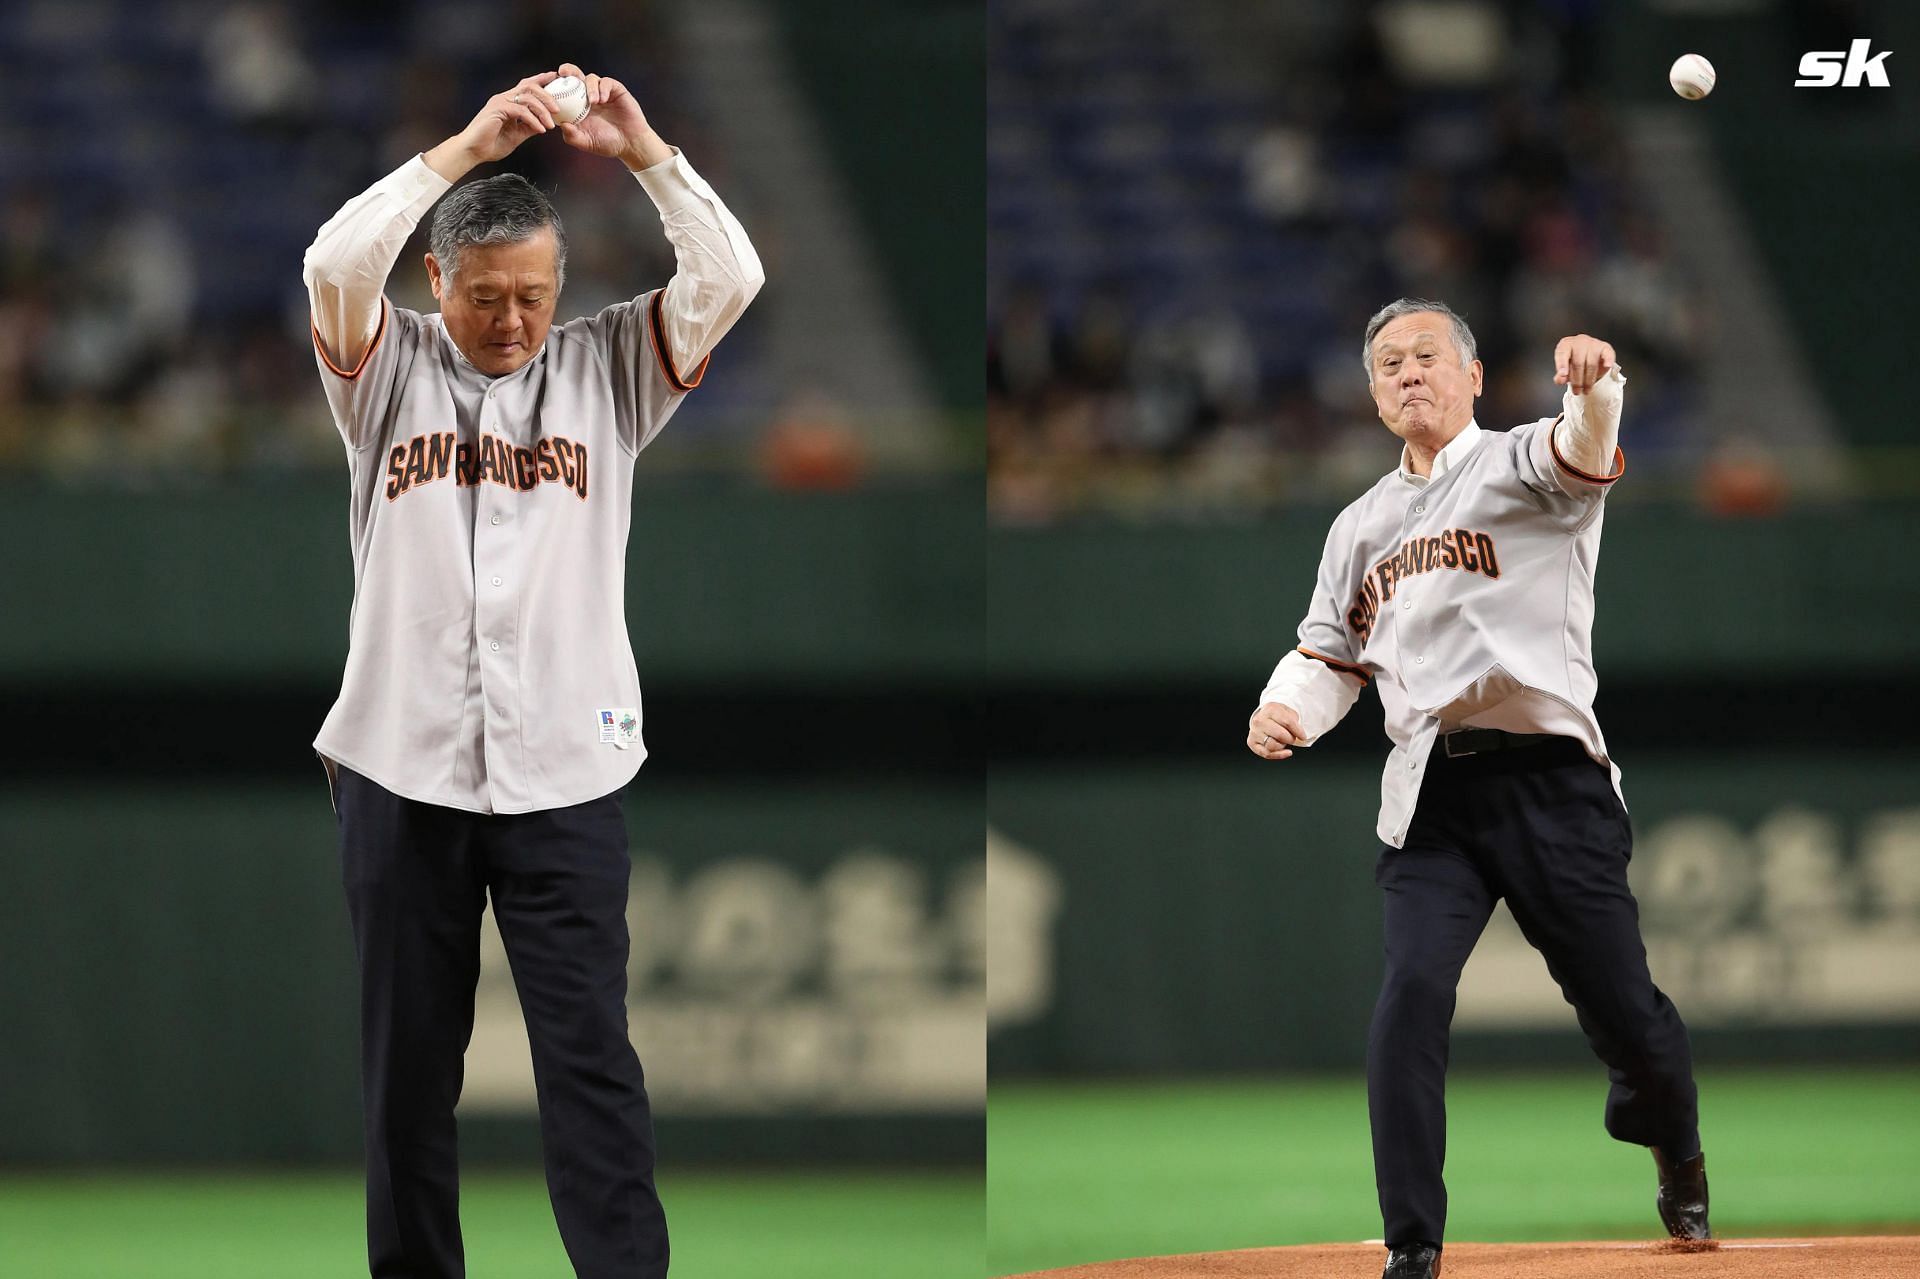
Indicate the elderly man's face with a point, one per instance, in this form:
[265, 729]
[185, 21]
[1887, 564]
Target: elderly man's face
[1423, 394]
[498, 307]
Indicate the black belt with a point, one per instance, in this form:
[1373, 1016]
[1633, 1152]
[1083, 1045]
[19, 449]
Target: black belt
[1477, 741]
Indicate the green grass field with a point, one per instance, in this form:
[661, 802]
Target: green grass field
[291, 1226]
[1092, 1172]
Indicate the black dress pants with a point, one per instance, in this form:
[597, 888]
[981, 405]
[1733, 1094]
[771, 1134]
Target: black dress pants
[417, 879]
[1540, 826]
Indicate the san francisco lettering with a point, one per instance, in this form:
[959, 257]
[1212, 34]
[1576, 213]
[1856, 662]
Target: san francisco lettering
[493, 459]
[1461, 549]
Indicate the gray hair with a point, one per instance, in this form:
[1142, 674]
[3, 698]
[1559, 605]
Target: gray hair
[502, 210]
[1462, 335]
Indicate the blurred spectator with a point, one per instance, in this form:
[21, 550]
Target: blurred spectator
[256, 69]
[152, 315]
[812, 445]
[1321, 161]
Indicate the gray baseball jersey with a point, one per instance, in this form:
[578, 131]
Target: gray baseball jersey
[490, 668]
[1465, 598]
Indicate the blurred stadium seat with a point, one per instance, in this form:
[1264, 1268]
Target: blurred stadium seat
[164, 165]
[1189, 182]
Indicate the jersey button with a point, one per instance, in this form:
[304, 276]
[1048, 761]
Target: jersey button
[1406, 604]
[496, 581]
[496, 519]
[495, 646]
[1419, 510]
[1418, 661]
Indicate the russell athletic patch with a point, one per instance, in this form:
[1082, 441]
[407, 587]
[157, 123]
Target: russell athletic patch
[620, 727]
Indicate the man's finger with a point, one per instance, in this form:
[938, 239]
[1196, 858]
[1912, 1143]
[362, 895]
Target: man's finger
[1277, 730]
[540, 97]
[1268, 749]
[524, 114]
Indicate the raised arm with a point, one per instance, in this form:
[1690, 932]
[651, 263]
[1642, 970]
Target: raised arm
[1586, 440]
[717, 273]
[348, 262]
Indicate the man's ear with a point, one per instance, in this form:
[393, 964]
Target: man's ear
[433, 276]
[1479, 370]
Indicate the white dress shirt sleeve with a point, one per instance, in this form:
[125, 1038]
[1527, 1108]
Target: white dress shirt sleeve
[348, 262]
[1322, 678]
[1586, 440]
[1320, 694]
[717, 273]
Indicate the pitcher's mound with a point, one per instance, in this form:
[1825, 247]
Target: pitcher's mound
[1872, 1257]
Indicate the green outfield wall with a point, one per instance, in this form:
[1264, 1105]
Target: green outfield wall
[178, 976]
[1677, 591]
[893, 584]
[1222, 916]
[723, 582]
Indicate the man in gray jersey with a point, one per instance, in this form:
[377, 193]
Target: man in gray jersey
[1461, 586]
[490, 711]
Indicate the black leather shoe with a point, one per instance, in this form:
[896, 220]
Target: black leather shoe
[1683, 1196]
[1413, 1261]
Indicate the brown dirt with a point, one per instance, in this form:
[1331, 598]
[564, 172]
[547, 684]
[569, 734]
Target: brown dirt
[1880, 1257]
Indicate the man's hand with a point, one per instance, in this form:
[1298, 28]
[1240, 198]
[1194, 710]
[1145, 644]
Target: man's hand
[614, 126]
[1580, 361]
[508, 119]
[1272, 730]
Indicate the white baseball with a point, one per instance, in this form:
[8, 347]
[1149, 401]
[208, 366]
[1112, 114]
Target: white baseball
[569, 93]
[1691, 76]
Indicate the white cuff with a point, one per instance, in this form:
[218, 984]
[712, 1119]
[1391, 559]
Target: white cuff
[1321, 694]
[1589, 427]
[672, 184]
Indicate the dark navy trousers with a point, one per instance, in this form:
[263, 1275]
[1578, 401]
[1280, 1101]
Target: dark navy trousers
[1540, 826]
[417, 879]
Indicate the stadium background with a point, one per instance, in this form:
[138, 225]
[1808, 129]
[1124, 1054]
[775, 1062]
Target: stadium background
[177, 1025]
[1192, 210]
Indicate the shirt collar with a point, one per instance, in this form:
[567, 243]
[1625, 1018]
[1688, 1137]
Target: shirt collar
[1447, 458]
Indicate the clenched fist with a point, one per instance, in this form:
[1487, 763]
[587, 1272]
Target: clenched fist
[1580, 361]
[1272, 729]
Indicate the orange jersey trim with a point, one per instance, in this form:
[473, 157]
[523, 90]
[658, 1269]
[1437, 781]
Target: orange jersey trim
[378, 335]
[1345, 668]
[1619, 461]
[657, 328]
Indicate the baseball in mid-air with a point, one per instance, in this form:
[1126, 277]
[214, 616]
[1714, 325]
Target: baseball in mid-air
[1691, 76]
[570, 95]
